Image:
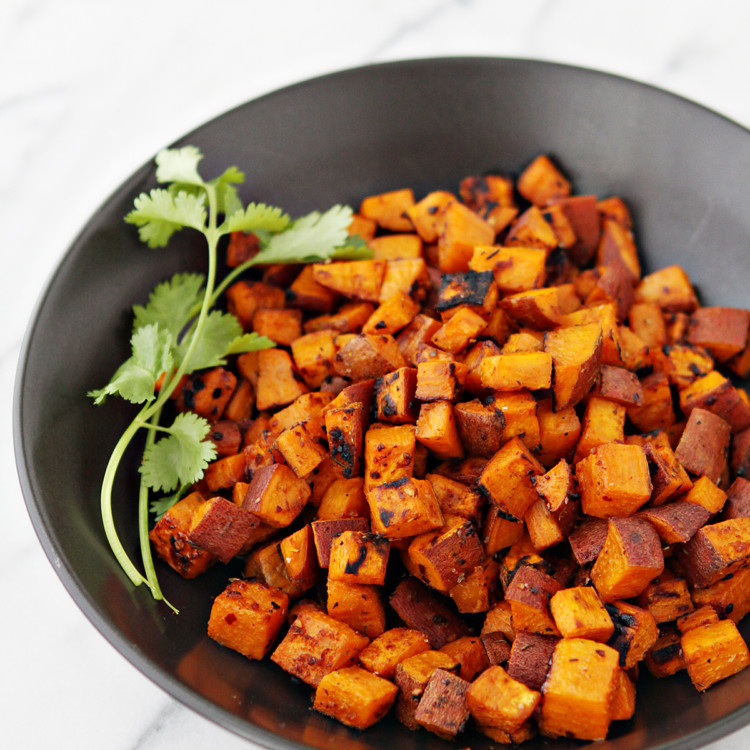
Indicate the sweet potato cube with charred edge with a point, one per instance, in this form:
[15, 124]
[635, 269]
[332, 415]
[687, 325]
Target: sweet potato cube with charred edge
[348, 318]
[531, 229]
[558, 491]
[555, 216]
[665, 656]
[394, 396]
[455, 498]
[266, 564]
[507, 479]
[392, 315]
[579, 690]
[298, 553]
[358, 557]
[207, 393]
[529, 594]
[668, 287]
[442, 557]
[687, 363]
[437, 431]
[587, 539]
[603, 422]
[614, 284]
[581, 211]
[577, 356]
[220, 527]
[276, 495]
[515, 269]
[317, 644]
[389, 454]
[499, 620]
[368, 356]
[278, 384]
[721, 330]
[360, 279]
[226, 436]
[605, 314]
[303, 446]
[460, 230]
[442, 708]
[419, 331]
[579, 613]
[704, 615]
[530, 658]
[305, 407]
[542, 182]
[424, 214]
[704, 444]
[619, 385]
[497, 700]
[404, 507]
[345, 427]
[498, 531]
[390, 209]
[469, 652]
[668, 477]
[459, 331]
[170, 537]
[677, 521]
[421, 609]
[411, 676]
[635, 632]
[630, 559]
[705, 493]
[496, 646]
[244, 298]
[467, 470]
[559, 432]
[538, 309]
[614, 209]
[354, 697]
[613, 480]
[389, 649]
[738, 500]
[405, 275]
[729, 596]
[241, 247]
[666, 598]
[716, 551]
[715, 393]
[714, 652]
[515, 372]
[324, 532]
[617, 247]
[655, 411]
[246, 617]
[647, 322]
[486, 190]
[475, 591]
[468, 288]
[344, 498]
[481, 427]
[358, 605]
[313, 356]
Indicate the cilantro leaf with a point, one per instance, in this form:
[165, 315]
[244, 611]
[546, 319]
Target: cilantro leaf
[181, 457]
[170, 303]
[179, 165]
[219, 331]
[310, 238]
[135, 379]
[227, 199]
[257, 217]
[250, 342]
[162, 505]
[355, 248]
[159, 214]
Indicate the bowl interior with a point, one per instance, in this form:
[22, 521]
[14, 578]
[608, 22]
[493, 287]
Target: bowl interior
[683, 171]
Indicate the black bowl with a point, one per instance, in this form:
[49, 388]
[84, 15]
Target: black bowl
[683, 170]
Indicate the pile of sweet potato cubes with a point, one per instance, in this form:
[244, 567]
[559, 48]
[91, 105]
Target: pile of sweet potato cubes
[486, 476]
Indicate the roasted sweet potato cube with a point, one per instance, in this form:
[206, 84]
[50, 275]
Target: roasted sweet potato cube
[390, 209]
[704, 444]
[740, 457]
[470, 654]
[668, 287]
[344, 498]
[317, 644]
[529, 594]
[499, 532]
[421, 609]
[206, 393]
[424, 214]
[247, 616]
[395, 394]
[623, 702]
[354, 697]
[345, 427]
[480, 191]
[324, 533]
[577, 356]
[305, 407]
[605, 314]
[276, 495]
[224, 473]
[406, 276]
[442, 708]
[455, 498]
[244, 298]
[721, 330]
[557, 489]
[635, 632]
[389, 454]
[459, 231]
[634, 354]
[603, 422]
[668, 477]
[475, 592]
[538, 309]
[497, 700]
[572, 707]
[666, 598]
[704, 615]
[298, 553]
[687, 363]
[714, 652]
[281, 326]
[358, 605]
[496, 646]
[730, 596]
[358, 557]
[348, 318]
[360, 279]
[368, 356]
[738, 500]
[619, 385]
[419, 331]
[705, 493]
[404, 507]
[559, 432]
[220, 527]
[530, 658]
[555, 216]
[226, 436]
[506, 480]
[647, 322]
[542, 182]
[436, 429]
[171, 538]
[266, 564]
[665, 658]
[481, 427]
[531, 229]
[389, 649]
[716, 551]
[519, 371]
[242, 246]
[313, 355]
[476, 289]
[392, 246]
[614, 480]
[515, 269]
[616, 246]
[715, 393]
[278, 384]
[581, 211]
[677, 521]
[614, 209]
[655, 411]
[459, 331]
[587, 539]
[525, 340]
[630, 559]
[392, 315]
[579, 613]
[303, 446]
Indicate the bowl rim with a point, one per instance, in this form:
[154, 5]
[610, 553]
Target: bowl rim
[169, 684]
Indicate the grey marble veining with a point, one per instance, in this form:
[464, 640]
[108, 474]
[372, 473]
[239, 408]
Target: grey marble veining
[90, 90]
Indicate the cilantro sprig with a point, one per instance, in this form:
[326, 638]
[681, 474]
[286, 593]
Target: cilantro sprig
[177, 332]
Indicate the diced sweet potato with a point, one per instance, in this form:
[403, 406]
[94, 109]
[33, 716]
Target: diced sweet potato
[668, 287]
[666, 598]
[704, 444]
[390, 209]
[358, 605]
[729, 596]
[344, 498]
[368, 356]
[677, 521]
[442, 708]
[276, 495]
[514, 372]
[404, 507]
[303, 446]
[579, 613]
[244, 298]
[603, 422]
[221, 527]
[665, 658]
[721, 330]
[389, 454]
[714, 652]
[313, 356]
[207, 393]
[324, 532]
[531, 229]
[358, 557]
[529, 594]
[635, 632]
[278, 384]
[389, 649]
[460, 230]
[436, 429]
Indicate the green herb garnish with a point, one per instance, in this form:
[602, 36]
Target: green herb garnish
[177, 332]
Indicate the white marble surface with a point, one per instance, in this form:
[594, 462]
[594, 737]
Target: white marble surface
[89, 90]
